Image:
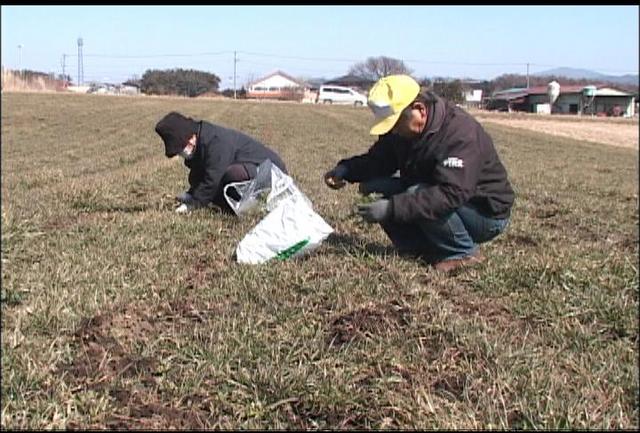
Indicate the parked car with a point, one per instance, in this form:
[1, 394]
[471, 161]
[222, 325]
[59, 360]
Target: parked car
[340, 95]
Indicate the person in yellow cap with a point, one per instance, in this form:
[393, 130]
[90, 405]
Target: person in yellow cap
[444, 189]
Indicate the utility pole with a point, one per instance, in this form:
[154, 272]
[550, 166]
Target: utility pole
[64, 64]
[527, 75]
[80, 63]
[20, 59]
[235, 60]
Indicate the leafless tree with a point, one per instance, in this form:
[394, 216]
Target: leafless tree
[375, 68]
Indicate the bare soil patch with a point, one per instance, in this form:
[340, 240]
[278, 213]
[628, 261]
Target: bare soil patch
[371, 320]
[106, 356]
[614, 132]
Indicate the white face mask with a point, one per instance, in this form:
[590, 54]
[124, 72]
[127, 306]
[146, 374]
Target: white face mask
[187, 152]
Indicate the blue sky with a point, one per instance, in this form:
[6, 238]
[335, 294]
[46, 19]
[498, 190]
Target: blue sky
[480, 42]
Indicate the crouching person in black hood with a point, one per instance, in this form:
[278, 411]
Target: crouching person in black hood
[216, 156]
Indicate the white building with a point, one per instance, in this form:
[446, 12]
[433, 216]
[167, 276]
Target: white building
[472, 97]
[277, 85]
[606, 101]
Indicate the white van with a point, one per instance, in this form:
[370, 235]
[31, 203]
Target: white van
[340, 95]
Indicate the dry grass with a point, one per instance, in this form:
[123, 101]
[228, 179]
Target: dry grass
[13, 81]
[118, 313]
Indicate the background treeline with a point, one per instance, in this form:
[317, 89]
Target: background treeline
[184, 82]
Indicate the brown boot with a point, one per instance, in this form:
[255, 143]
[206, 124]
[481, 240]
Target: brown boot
[449, 266]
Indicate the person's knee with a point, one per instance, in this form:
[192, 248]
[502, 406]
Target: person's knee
[482, 228]
[448, 234]
[496, 228]
[252, 170]
[235, 173]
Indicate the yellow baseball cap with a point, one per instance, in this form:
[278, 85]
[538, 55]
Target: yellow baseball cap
[388, 97]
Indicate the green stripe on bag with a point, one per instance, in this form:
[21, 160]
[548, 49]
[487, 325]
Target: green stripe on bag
[286, 253]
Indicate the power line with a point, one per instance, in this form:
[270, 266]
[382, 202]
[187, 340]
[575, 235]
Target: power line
[322, 59]
[199, 60]
[275, 66]
[438, 62]
[329, 59]
[110, 56]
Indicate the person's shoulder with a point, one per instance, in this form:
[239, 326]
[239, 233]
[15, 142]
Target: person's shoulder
[462, 115]
[210, 129]
[457, 109]
[460, 125]
[387, 137]
[205, 124]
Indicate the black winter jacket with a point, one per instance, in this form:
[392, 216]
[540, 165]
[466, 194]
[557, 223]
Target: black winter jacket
[216, 149]
[455, 160]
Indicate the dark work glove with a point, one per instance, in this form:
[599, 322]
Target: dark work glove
[334, 178]
[375, 212]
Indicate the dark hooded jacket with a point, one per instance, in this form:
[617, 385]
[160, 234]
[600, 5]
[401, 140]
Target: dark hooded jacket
[454, 159]
[216, 149]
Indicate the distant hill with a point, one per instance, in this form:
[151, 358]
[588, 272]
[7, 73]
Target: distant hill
[578, 74]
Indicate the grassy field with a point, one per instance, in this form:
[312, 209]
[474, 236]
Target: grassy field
[119, 313]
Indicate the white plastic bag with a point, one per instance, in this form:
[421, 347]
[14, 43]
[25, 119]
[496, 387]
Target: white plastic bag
[290, 230]
[264, 192]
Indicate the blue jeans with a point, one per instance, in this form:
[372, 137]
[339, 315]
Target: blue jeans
[455, 235]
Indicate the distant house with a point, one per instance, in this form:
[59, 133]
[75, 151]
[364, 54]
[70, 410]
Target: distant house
[472, 93]
[514, 99]
[78, 89]
[573, 99]
[277, 85]
[606, 101]
[473, 97]
[127, 89]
